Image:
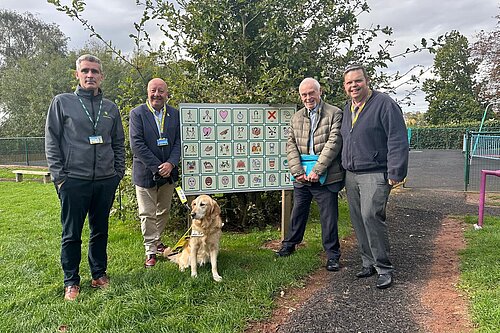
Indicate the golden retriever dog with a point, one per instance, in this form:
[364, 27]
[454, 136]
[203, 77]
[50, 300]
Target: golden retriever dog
[203, 244]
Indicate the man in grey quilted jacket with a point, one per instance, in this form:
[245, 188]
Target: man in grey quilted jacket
[313, 152]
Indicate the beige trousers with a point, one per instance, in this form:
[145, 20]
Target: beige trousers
[154, 207]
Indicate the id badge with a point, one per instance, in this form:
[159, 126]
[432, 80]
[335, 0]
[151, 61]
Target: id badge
[95, 139]
[162, 142]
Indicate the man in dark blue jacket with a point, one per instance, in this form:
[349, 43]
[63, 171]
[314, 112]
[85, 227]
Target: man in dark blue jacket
[156, 146]
[375, 157]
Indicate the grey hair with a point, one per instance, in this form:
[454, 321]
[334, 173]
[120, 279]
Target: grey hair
[355, 67]
[313, 81]
[90, 58]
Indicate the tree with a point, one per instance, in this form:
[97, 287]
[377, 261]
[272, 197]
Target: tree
[451, 95]
[237, 51]
[26, 90]
[32, 68]
[25, 36]
[258, 51]
[486, 51]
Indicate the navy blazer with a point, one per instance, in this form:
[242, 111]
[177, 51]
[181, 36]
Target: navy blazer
[147, 155]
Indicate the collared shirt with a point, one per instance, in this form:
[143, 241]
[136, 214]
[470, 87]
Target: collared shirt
[159, 116]
[313, 116]
[158, 120]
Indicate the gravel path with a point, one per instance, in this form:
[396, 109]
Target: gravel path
[348, 304]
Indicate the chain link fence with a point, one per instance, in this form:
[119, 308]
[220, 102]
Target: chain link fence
[23, 151]
[482, 152]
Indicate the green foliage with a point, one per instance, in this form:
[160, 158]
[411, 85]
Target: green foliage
[25, 36]
[451, 95]
[480, 273]
[449, 137]
[33, 67]
[259, 51]
[235, 51]
[26, 90]
[485, 51]
[161, 299]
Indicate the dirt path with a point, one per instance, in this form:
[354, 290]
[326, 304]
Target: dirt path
[425, 243]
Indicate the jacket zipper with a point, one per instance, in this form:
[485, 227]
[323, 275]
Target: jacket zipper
[95, 146]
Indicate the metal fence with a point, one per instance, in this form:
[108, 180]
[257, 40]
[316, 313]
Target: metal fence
[482, 152]
[23, 151]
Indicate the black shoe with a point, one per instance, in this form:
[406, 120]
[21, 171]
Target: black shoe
[285, 251]
[332, 265]
[384, 281]
[366, 272]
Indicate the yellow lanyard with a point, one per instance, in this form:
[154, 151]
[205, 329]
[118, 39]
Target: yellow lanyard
[357, 111]
[160, 122]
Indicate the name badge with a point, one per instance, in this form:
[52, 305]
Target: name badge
[162, 142]
[95, 140]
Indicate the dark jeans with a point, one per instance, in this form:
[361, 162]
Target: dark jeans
[79, 198]
[328, 209]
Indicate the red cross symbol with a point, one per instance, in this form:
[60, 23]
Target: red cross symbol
[271, 115]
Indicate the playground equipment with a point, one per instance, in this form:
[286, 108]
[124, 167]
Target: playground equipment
[482, 194]
[481, 126]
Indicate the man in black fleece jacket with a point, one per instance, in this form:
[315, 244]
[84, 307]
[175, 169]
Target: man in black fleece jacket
[375, 156]
[85, 149]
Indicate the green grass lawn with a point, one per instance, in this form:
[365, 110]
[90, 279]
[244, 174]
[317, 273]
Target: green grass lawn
[480, 273]
[163, 299]
[160, 299]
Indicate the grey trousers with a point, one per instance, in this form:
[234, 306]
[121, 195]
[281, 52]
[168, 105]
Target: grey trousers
[367, 196]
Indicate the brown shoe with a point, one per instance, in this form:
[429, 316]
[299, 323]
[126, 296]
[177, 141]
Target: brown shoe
[71, 292]
[102, 282]
[150, 260]
[160, 248]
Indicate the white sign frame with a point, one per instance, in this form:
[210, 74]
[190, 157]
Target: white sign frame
[230, 148]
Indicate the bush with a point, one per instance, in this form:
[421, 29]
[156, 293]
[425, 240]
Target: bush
[451, 137]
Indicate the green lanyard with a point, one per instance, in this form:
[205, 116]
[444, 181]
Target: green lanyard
[87, 112]
[160, 122]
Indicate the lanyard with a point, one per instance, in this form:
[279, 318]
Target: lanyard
[357, 110]
[159, 122]
[87, 112]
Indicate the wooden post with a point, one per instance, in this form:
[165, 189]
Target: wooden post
[286, 211]
[19, 177]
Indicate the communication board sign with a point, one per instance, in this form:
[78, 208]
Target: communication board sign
[234, 147]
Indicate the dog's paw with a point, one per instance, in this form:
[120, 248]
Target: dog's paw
[194, 275]
[217, 278]
[167, 252]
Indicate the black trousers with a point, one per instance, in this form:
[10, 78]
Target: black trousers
[80, 198]
[327, 200]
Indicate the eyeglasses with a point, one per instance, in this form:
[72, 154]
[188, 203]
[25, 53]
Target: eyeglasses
[353, 68]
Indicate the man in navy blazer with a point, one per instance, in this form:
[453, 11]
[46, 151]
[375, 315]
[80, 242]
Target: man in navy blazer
[154, 129]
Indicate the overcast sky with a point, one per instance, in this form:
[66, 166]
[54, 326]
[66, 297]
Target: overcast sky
[410, 19]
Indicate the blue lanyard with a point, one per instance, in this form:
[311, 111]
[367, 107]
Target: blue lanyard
[87, 112]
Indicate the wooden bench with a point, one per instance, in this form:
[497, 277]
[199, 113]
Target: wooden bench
[20, 173]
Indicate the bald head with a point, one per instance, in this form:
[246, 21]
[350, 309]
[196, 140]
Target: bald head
[157, 93]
